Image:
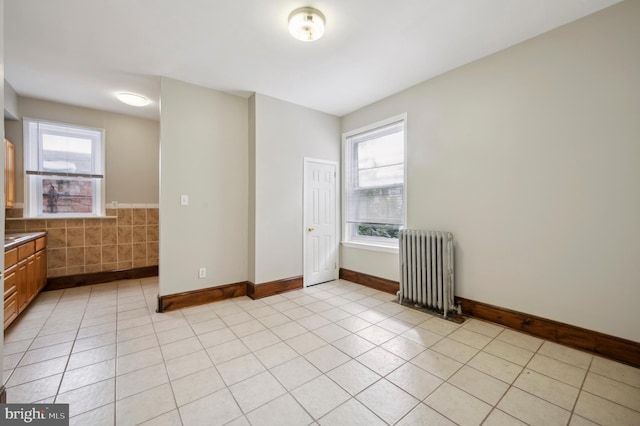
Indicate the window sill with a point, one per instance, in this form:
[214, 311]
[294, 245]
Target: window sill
[371, 247]
[60, 217]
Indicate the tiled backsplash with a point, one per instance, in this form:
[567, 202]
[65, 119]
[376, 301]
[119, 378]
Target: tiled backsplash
[127, 240]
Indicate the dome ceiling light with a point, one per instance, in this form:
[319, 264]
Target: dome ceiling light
[306, 24]
[133, 99]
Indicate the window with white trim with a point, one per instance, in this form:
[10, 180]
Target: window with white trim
[374, 183]
[64, 169]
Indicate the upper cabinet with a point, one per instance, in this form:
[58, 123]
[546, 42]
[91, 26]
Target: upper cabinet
[9, 175]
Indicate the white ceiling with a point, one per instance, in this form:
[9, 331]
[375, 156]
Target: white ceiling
[83, 51]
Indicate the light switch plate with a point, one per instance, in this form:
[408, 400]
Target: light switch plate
[184, 200]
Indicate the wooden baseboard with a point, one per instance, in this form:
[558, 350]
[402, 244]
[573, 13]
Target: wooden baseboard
[612, 347]
[382, 284]
[273, 287]
[71, 281]
[172, 302]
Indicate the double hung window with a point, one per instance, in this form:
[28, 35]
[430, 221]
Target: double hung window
[374, 183]
[64, 170]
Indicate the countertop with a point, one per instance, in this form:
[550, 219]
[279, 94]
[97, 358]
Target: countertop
[15, 239]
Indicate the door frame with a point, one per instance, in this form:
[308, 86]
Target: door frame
[336, 164]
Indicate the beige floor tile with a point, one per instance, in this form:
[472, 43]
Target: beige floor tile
[532, 410]
[133, 322]
[605, 412]
[458, 405]
[174, 335]
[218, 408]
[188, 364]
[387, 401]
[52, 339]
[102, 416]
[353, 377]
[616, 371]
[376, 335]
[135, 332]
[274, 355]
[566, 355]
[274, 320]
[403, 347]
[335, 314]
[353, 324]
[37, 371]
[247, 327]
[208, 325]
[351, 413]
[353, 345]
[455, 350]
[35, 390]
[331, 332]
[326, 358]
[260, 340]
[88, 375]
[136, 345]
[135, 361]
[11, 361]
[437, 364]
[306, 342]
[413, 317]
[370, 315]
[439, 326]
[195, 386]
[395, 325]
[470, 338]
[227, 351]
[559, 370]
[353, 307]
[288, 330]
[422, 336]
[581, 421]
[514, 354]
[521, 340]
[180, 348]
[496, 367]
[380, 360]
[319, 396]
[240, 368]
[424, 415]
[144, 406]
[89, 397]
[256, 391]
[483, 327]
[96, 330]
[91, 356]
[500, 418]
[216, 337]
[295, 373]
[81, 345]
[414, 380]
[140, 380]
[262, 311]
[549, 389]
[19, 347]
[618, 392]
[479, 384]
[282, 411]
[172, 418]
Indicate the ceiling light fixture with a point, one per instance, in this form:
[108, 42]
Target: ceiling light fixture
[306, 24]
[133, 99]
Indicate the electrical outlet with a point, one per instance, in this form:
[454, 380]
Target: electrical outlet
[202, 272]
[184, 200]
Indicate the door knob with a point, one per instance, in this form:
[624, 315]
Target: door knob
[310, 228]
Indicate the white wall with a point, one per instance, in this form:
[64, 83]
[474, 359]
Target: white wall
[531, 157]
[284, 135]
[203, 154]
[131, 147]
[2, 162]
[10, 102]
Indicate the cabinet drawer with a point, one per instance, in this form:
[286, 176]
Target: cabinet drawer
[26, 250]
[10, 281]
[10, 309]
[10, 258]
[41, 243]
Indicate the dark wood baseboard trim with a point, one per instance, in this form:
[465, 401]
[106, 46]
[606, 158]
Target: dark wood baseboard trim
[258, 291]
[612, 347]
[171, 302]
[382, 284]
[3, 395]
[71, 281]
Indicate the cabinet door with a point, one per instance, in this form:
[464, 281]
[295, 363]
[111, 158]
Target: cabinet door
[9, 174]
[22, 285]
[32, 273]
[41, 270]
[10, 297]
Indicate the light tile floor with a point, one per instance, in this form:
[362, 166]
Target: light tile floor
[333, 354]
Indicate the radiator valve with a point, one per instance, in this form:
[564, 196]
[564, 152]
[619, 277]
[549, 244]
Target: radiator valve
[459, 308]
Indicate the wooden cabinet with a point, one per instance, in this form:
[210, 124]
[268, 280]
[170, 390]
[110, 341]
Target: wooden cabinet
[9, 174]
[25, 276]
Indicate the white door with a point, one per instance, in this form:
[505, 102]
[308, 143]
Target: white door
[320, 221]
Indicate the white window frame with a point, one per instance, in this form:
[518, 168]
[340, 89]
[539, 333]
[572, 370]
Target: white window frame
[33, 175]
[366, 242]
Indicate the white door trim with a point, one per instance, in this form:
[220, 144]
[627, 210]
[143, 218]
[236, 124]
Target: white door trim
[304, 212]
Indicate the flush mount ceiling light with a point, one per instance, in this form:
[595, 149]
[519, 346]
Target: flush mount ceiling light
[133, 99]
[306, 24]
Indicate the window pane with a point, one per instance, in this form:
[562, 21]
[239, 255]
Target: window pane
[383, 151]
[381, 176]
[72, 195]
[377, 205]
[66, 154]
[381, 231]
